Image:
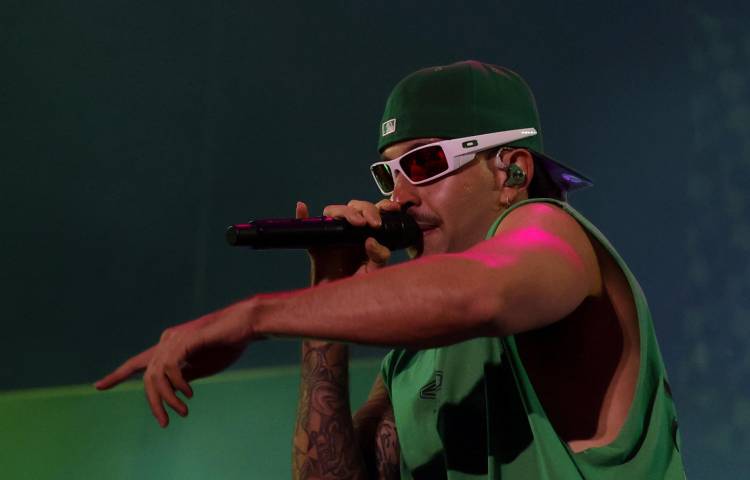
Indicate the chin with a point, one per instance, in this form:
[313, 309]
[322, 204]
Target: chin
[425, 249]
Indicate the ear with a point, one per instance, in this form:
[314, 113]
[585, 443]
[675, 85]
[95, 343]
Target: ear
[521, 158]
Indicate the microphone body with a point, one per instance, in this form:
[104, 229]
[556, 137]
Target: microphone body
[398, 230]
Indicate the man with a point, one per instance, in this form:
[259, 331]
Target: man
[524, 347]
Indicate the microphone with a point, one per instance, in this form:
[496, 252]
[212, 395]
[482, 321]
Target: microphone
[398, 230]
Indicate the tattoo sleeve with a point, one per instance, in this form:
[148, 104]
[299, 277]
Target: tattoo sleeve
[375, 427]
[325, 446]
[387, 453]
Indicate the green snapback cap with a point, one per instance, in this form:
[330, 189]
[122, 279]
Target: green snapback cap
[464, 99]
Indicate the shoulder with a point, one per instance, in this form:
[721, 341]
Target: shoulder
[539, 214]
[548, 224]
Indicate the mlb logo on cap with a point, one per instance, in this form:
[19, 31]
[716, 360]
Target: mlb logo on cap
[389, 127]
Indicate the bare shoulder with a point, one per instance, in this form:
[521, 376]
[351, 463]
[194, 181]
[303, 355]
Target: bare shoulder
[548, 224]
[547, 216]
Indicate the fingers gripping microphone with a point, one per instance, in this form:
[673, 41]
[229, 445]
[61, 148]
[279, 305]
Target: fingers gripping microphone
[398, 230]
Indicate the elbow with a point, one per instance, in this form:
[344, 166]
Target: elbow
[480, 303]
[488, 315]
[486, 307]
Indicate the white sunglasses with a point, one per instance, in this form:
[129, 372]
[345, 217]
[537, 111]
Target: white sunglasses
[434, 160]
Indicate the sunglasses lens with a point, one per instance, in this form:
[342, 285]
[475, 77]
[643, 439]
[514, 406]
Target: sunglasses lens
[424, 163]
[383, 176]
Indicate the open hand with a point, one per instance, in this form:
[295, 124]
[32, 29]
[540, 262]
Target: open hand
[187, 351]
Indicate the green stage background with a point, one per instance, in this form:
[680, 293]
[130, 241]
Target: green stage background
[240, 426]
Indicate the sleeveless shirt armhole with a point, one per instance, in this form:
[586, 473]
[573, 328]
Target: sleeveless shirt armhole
[631, 431]
[386, 370]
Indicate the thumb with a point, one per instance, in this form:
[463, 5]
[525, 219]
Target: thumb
[377, 254]
[301, 210]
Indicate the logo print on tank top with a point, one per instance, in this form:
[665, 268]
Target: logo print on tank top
[429, 391]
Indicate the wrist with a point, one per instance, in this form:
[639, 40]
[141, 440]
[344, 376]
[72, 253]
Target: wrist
[331, 273]
[311, 343]
[268, 316]
[256, 326]
[328, 264]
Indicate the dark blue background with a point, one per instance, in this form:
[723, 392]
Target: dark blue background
[132, 133]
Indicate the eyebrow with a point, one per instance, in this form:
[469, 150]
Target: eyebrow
[383, 158]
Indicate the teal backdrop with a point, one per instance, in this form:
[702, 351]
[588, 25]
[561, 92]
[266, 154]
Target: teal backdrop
[132, 133]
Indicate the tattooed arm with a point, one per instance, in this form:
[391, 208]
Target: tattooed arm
[375, 428]
[324, 442]
[328, 443]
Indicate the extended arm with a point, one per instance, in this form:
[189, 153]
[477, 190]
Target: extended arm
[534, 271]
[537, 269]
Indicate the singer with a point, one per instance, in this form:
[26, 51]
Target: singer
[523, 346]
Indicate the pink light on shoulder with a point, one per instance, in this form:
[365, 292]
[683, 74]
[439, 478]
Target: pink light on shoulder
[507, 248]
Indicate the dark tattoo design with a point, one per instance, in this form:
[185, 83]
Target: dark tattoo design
[387, 450]
[324, 442]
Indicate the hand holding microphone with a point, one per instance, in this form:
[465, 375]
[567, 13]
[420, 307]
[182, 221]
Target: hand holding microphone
[334, 262]
[345, 240]
[349, 224]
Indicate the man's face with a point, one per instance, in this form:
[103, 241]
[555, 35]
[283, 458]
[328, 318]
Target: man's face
[454, 211]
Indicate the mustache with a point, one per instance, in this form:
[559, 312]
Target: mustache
[423, 217]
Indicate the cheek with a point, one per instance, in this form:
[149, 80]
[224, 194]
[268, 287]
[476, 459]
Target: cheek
[458, 206]
[461, 201]
[470, 205]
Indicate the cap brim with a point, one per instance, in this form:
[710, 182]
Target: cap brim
[564, 177]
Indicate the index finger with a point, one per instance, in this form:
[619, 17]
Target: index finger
[301, 210]
[387, 204]
[123, 372]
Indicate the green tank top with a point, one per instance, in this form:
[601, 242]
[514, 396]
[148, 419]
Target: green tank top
[469, 410]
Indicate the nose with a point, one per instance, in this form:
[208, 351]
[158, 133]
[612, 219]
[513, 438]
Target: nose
[404, 191]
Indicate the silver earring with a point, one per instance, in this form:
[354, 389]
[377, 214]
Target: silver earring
[506, 203]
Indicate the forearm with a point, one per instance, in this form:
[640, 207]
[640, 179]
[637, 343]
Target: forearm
[324, 441]
[375, 429]
[431, 302]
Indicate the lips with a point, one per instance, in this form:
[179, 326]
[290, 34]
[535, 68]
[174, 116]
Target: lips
[426, 227]
[426, 221]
